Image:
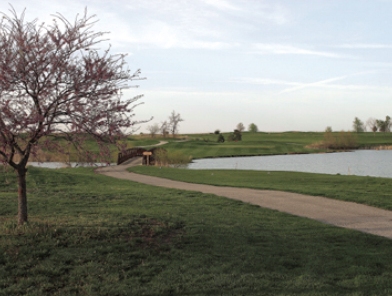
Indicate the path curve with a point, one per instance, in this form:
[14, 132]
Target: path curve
[339, 213]
[159, 144]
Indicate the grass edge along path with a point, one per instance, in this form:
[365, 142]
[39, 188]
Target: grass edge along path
[339, 213]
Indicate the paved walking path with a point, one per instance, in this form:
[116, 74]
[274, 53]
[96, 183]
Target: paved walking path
[343, 214]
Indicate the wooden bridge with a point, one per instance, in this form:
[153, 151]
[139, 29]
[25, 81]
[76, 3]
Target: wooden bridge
[148, 155]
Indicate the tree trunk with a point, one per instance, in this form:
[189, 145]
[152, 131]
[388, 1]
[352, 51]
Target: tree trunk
[22, 196]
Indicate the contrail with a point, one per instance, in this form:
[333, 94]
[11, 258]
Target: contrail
[322, 82]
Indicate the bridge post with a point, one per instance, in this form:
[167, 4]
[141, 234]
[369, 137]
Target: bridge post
[147, 154]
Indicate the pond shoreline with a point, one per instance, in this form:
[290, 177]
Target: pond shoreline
[60, 164]
[379, 147]
[361, 162]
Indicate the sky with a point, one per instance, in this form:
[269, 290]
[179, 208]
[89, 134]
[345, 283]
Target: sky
[284, 65]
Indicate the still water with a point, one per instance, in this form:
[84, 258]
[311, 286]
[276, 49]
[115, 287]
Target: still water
[361, 162]
[58, 165]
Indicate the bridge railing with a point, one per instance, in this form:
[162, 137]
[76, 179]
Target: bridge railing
[129, 153]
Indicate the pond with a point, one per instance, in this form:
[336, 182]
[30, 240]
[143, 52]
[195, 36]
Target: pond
[58, 165]
[375, 163]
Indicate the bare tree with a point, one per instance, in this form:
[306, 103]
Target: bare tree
[371, 123]
[153, 129]
[174, 120]
[164, 128]
[240, 127]
[53, 80]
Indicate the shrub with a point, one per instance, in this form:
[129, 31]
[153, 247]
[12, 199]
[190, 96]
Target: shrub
[236, 136]
[340, 141]
[166, 158]
[221, 138]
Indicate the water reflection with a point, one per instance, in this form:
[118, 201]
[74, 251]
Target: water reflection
[361, 163]
[58, 165]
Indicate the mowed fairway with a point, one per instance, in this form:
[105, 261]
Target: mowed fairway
[206, 145]
[94, 235]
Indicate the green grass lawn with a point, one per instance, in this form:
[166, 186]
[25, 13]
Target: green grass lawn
[94, 235]
[70, 154]
[372, 191]
[206, 145]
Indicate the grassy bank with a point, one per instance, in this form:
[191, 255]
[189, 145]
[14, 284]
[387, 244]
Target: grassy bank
[93, 235]
[206, 145]
[70, 154]
[366, 190]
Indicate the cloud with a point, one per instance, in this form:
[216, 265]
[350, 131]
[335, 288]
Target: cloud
[221, 4]
[203, 24]
[326, 83]
[163, 35]
[283, 49]
[179, 25]
[273, 13]
[365, 46]
[264, 81]
[314, 84]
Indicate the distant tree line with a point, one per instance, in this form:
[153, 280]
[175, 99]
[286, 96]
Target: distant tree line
[236, 135]
[347, 140]
[373, 125]
[166, 127]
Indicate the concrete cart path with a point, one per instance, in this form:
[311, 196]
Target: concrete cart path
[343, 214]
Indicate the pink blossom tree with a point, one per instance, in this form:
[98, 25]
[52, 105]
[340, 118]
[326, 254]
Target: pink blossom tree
[54, 81]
